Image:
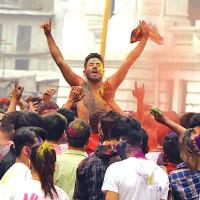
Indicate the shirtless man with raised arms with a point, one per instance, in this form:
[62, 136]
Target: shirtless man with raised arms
[93, 71]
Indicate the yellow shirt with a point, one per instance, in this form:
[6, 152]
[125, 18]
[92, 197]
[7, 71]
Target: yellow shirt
[65, 173]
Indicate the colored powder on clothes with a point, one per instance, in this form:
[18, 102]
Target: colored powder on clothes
[150, 179]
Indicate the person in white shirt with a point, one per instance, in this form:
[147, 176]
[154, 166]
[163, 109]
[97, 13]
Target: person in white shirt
[136, 177]
[23, 140]
[41, 185]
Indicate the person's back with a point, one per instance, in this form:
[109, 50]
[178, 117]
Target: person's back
[23, 139]
[91, 170]
[143, 176]
[77, 137]
[135, 177]
[41, 185]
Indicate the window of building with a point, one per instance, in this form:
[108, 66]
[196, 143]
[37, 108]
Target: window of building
[193, 11]
[8, 1]
[23, 38]
[21, 64]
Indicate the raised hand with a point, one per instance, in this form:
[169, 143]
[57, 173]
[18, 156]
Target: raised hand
[107, 93]
[138, 93]
[47, 95]
[76, 93]
[158, 115]
[46, 27]
[17, 92]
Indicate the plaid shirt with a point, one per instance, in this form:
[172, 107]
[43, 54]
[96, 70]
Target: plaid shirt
[91, 171]
[185, 184]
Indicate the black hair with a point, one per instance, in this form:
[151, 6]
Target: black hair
[94, 118]
[33, 119]
[78, 133]
[10, 122]
[40, 132]
[171, 148]
[23, 137]
[54, 124]
[145, 140]
[107, 121]
[67, 113]
[20, 121]
[43, 158]
[194, 121]
[93, 55]
[129, 129]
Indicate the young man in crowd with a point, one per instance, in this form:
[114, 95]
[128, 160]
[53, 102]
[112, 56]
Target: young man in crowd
[135, 177]
[171, 151]
[77, 137]
[91, 170]
[55, 124]
[23, 140]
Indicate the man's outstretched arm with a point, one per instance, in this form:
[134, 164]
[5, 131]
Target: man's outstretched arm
[71, 78]
[119, 76]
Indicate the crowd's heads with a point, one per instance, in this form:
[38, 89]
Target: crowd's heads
[93, 55]
[67, 113]
[33, 119]
[171, 148]
[94, 119]
[185, 119]
[54, 124]
[78, 133]
[43, 158]
[47, 107]
[24, 137]
[107, 121]
[188, 153]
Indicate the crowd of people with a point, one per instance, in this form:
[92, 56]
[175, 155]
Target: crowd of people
[89, 149]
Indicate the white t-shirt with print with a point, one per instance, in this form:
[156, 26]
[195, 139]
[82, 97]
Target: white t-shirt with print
[31, 190]
[136, 179]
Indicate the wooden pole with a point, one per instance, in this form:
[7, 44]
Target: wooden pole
[104, 30]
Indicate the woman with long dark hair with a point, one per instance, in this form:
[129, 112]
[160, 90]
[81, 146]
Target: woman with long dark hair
[41, 186]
